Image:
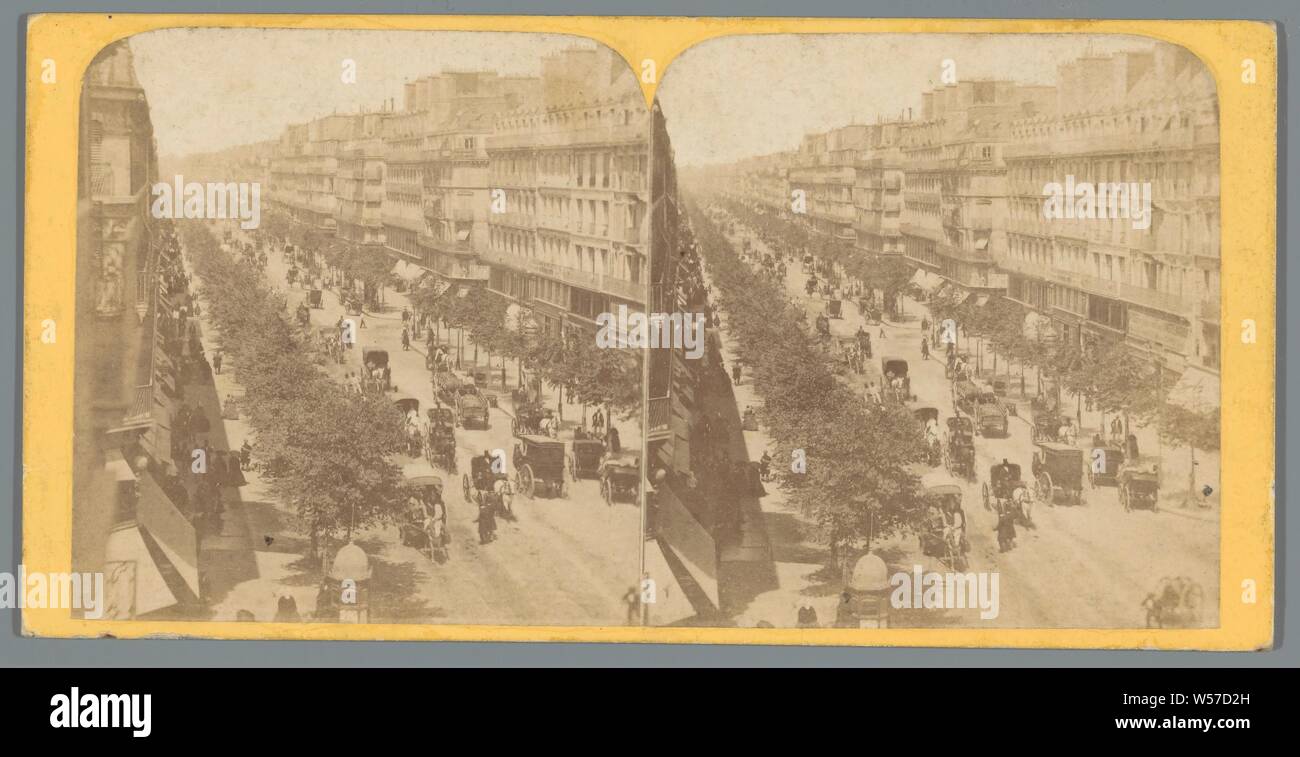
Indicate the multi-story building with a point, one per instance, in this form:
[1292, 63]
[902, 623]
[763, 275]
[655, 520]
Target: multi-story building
[125, 381]
[825, 171]
[436, 203]
[954, 207]
[305, 168]
[878, 191]
[359, 185]
[1132, 117]
[570, 239]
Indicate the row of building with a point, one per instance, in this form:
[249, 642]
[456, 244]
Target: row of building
[130, 368]
[958, 192]
[535, 187]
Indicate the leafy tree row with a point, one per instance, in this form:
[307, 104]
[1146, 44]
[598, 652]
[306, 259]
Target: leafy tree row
[323, 450]
[857, 486]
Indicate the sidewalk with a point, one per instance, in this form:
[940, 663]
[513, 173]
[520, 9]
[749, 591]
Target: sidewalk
[257, 556]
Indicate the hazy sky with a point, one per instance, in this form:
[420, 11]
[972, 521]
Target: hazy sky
[209, 89]
[742, 96]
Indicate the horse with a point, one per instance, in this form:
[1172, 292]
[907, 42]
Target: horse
[413, 439]
[1023, 500]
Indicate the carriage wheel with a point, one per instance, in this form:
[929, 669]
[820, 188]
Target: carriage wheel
[606, 491]
[987, 506]
[527, 484]
[464, 485]
[1043, 487]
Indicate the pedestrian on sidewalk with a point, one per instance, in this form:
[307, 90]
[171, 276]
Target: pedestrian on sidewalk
[735, 373]
[925, 348]
[406, 340]
[216, 361]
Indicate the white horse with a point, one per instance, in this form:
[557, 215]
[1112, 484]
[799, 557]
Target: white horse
[1023, 499]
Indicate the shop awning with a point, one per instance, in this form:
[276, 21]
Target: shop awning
[1197, 390]
[133, 584]
[170, 530]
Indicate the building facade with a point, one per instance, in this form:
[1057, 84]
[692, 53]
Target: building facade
[126, 383]
[1148, 117]
[568, 232]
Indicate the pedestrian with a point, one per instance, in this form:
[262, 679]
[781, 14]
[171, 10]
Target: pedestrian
[611, 439]
[735, 373]
[845, 617]
[925, 348]
[216, 361]
[406, 316]
[406, 340]
[286, 610]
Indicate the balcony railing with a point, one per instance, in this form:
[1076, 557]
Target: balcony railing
[587, 280]
[1151, 298]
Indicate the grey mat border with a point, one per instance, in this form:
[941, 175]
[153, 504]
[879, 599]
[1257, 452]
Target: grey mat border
[18, 651]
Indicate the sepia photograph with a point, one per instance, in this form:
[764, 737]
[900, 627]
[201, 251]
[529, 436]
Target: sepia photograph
[337, 295]
[962, 364]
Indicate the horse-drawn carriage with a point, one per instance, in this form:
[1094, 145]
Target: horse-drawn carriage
[376, 375]
[1139, 484]
[1058, 473]
[483, 379]
[943, 530]
[446, 387]
[1046, 419]
[538, 462]
[960, 449]
[584, 458]
[424, 522]
[471, 408]
[834, 308]
[957, 366]
[314, 299]
[531, 418]
[486, 487]
[849, 355]
[409, 407]
[440, 437]
[1000, 492]
[897, 384]
[1104, 464]
[864, 342]
[620, 477]
[981, 402]
[867, 308]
